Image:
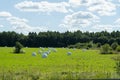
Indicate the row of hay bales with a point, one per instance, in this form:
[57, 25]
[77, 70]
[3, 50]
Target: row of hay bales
[44, 53]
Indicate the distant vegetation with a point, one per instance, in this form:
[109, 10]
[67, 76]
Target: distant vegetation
[18, 47]
[81, 60]
[57, 39]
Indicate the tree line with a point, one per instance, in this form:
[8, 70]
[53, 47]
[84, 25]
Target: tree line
[57, 39]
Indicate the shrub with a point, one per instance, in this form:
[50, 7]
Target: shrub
[98, 45]
[105, 49]
[114, 45]
[118, 49]
[71, 46]
[18, 47]
[90, 44]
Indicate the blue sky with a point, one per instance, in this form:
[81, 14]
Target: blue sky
[59, 15]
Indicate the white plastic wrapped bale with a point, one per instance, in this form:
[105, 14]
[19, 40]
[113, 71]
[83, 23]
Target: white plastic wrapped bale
[84, 50]
[44, 55]
[39, 52]
[22, 51]
[69, 53]
[46, 52]
[49, 51]
[74, 48]
[42, 49]
[34, 54]
[54, 50]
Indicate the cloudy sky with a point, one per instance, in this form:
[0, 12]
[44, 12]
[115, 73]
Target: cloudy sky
[59, 15]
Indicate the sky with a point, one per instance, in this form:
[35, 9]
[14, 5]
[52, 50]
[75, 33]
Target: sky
[24, 16]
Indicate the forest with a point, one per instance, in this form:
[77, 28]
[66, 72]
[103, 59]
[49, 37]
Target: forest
[57, 39]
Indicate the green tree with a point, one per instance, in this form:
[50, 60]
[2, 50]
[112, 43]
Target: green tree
[114, 45]
[105, 49]
[98, 45]
[118, 48]
[18, 47]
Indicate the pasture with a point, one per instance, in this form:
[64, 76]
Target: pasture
[81, 64]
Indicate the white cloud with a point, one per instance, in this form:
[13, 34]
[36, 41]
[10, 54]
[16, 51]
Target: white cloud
[79, 19]
[43, 6]
[14, 20]
[117, 21]
[103, 27]
[74, 3]
[107, 27]
[102, 7]
[5, 14]
[1, 26]
[20, 24]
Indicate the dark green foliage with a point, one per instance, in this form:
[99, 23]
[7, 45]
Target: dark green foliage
[114, 45]
[105, 49]
[98, 45]
[82, 45]
[18, 47]
[90, 44]
[118, 49]
[57, 39]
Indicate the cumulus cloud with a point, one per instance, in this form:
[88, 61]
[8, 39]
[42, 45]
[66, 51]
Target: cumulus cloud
[79, 19]
[103, 27]
[107, 27]
[5, 14]
[102, 7]
[117, 21]
[20, 24]
[1, 26]
[43, 6]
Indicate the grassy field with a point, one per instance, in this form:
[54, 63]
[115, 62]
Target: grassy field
[58, 65]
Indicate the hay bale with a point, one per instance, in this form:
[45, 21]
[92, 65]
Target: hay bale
[74, 48]
[22, 51]
[44, 55]
[39, 52]
[69, 53]
[84, 50]
[34, 54]
[54, 50]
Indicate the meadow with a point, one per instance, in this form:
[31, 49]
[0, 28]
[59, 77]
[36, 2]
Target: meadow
[81, 64]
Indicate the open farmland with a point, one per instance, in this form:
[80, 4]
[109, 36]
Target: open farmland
[58, 65]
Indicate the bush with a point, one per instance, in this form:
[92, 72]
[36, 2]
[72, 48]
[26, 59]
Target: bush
[81, 45]
[105, 49]
[90, 44]
[18, 47]
[98, 45]
[114, 45]
[71, 46]
[118, 49]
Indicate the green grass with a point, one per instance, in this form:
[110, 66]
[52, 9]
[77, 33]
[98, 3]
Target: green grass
[58, 65]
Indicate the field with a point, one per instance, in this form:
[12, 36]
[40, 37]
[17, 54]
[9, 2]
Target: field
[81, 64]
